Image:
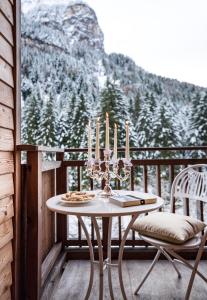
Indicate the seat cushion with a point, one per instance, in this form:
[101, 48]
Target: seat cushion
[169, 227]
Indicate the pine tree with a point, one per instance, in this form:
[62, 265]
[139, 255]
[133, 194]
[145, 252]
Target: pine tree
[48, 123]
[145, 124]
[113, 101]
[199, 120]
[31, 127]
[165, 130]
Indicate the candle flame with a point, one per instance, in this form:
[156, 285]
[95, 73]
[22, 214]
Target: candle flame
[98, 119]
[115, 125]
[107, 115]
[127, 123]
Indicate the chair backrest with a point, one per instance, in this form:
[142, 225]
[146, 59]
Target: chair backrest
[190, 184]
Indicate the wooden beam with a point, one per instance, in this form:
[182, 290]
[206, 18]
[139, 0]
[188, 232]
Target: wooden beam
[34, 226]
[61, 180]
[49, 261]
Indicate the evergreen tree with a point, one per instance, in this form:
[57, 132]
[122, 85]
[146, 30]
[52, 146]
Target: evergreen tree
[31, 126]
[49, 123]
[77, 122]
[165, 131]
[113, 101]
[145, 124]
[199, 120]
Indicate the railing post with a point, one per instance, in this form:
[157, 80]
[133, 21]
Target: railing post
[34, 224]
[61, 182]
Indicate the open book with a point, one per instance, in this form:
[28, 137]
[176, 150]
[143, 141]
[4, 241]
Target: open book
[132, 200]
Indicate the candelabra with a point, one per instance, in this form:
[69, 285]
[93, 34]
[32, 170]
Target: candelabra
[107, 169]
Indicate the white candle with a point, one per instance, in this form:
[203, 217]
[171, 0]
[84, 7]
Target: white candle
[97, 156]
[115, 141]
[89, 141]
[127, 141]
[107, 132]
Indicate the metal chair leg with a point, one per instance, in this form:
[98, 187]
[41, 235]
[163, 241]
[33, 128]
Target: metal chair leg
[186, 263]
[171, 261]
[198, 257]
[149, 271]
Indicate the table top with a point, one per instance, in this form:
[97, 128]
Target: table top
[101, 207]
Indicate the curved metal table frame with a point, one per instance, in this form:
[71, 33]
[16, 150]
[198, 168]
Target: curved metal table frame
[109, 210]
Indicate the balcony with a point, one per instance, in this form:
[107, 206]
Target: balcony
[50, 238]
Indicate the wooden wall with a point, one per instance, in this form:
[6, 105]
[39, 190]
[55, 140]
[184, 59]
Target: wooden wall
[7, 143]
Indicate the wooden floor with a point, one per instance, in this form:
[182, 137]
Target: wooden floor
[162, 284]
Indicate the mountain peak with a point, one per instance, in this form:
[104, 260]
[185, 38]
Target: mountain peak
[63, 24]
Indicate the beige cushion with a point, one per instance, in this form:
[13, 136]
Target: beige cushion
[169, 227]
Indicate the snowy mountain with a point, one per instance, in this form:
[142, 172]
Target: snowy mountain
[68, 78]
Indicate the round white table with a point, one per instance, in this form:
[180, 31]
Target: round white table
[101, 207]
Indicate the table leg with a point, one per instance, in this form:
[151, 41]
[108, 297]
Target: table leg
[109, 259]
[91, 257]
[121, 250]
[100, 255]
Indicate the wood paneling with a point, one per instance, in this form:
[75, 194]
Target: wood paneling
[6, 210]
[6, 295]
[6, 95]
[6, 117]
[6, 72]
[6, 162]
[6, 140]
[6, 186]
[5, 255]
[48, 225]
[6, 50]
[5, 279]
[8, 133]
[6, 233]
[6, 29]
[6, 8]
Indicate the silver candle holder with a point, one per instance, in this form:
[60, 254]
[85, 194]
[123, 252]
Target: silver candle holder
[107, 169]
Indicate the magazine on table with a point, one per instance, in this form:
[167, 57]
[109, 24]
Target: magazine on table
[132, 199]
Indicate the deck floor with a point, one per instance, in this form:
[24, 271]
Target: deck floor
[162, 284]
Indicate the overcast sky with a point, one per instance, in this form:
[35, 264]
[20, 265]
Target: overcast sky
[165, 37]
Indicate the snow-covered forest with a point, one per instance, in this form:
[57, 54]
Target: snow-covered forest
[67, 79]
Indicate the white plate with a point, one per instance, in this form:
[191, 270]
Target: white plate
[76, 202]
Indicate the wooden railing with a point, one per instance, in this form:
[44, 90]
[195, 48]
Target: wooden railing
[42, 242]
[50, 171]
[148, 174]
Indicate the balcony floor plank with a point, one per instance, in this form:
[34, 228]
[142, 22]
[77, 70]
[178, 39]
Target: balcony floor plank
[162, 283]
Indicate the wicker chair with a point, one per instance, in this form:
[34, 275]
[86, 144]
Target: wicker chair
[189, 185]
